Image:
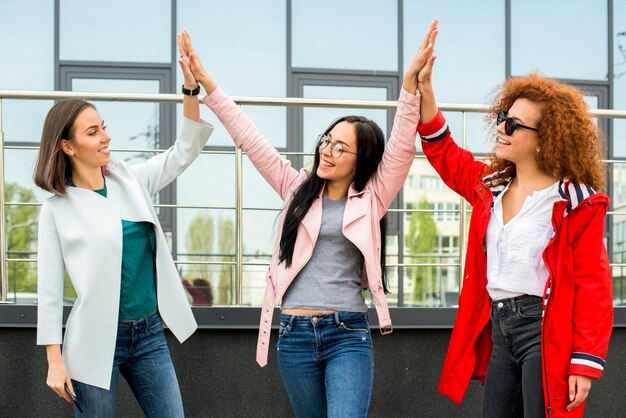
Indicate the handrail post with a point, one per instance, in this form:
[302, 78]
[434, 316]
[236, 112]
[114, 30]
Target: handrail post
[238, 224]
[3, 239]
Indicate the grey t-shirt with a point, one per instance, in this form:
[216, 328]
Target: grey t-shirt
[332, 277]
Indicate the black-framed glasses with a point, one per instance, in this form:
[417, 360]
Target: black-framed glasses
[511, 124]
[336, 150]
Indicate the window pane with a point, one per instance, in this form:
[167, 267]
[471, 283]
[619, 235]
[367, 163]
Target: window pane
[116, 30]
[209, 181]
[19, 166]
[247, 62]
[479, 137]
[619, 256]
[431, 286]
[463, 73]
[431, 237]
[351, 34]
[560, 38]
[207, 238]
[242, 43]
[470, 46]
[20, 226]
[21, 119]
[619, 79]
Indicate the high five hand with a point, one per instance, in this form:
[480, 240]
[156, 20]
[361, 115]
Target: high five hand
[423, 56]
[185, 65]
[196, 65]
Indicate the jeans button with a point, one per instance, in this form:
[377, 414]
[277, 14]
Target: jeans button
[315, 319]
[500, 305]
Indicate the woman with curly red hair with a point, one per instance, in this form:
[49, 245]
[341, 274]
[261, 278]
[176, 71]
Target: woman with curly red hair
[535, 312]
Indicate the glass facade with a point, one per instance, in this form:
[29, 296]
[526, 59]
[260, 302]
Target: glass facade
[349, 50]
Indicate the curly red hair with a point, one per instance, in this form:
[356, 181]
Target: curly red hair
[571, 144]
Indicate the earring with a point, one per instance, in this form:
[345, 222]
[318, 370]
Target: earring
[537, 150]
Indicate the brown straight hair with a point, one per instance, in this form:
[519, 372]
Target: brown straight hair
[53, 165]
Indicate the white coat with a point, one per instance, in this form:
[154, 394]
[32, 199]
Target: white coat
[81, 232]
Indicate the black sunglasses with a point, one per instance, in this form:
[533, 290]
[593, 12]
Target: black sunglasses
[511, 124]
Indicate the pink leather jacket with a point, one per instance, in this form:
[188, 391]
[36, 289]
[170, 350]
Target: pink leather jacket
[362, 213]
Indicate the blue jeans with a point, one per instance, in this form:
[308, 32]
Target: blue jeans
[327, 364]
[142, 357]
[513, 385]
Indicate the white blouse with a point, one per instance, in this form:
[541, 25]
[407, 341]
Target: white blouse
[515, 265]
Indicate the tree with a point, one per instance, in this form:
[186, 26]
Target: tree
[226, 244]
[421, 241]
[21, 237]
[200, 237]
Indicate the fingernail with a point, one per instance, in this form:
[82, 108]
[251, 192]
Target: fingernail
[571, 397]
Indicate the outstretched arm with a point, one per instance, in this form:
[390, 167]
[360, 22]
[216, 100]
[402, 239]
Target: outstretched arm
[277, 171]
[400, 151]
[162, 169]
[457, 167]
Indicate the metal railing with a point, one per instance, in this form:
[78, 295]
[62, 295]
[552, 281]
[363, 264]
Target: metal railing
[464, 109]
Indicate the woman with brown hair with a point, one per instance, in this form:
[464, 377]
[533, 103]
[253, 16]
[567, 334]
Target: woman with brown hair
[535, 311]
[101, 227]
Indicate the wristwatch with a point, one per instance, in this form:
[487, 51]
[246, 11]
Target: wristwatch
[193, 92]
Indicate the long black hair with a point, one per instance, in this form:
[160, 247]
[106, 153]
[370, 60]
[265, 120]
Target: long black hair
[370, 147]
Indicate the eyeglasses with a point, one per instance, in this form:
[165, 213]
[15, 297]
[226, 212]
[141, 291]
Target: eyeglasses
[336, 150]
[511, 124]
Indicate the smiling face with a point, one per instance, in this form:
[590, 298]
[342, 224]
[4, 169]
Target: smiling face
[88, 146]
[521, 145]
[343, 168]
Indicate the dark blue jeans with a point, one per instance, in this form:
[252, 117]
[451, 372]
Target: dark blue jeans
[143, 358]
[513, 385]
[327, 364]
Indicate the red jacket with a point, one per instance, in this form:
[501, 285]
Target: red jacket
[578, 308]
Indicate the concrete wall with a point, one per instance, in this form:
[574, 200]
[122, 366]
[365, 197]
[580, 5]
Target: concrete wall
[219, 378]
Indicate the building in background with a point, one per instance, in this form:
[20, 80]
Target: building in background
[349, 49]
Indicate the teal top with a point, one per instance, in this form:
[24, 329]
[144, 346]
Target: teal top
[138, 287]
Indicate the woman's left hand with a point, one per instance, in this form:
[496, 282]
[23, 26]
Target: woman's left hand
[579, 387]
[185, 64]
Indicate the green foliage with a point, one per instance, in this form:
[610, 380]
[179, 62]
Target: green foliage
[226, 236]
[21, 237]
[200, 237]
[420, 242]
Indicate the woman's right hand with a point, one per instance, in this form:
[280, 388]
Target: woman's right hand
[58, 376]
[422, 57]
[196, 65]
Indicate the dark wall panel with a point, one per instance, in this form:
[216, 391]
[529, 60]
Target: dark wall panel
[220, 378]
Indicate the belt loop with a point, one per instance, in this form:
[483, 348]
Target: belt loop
[291, 318]
[337, 320]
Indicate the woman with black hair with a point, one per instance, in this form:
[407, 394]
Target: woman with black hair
[331, 244]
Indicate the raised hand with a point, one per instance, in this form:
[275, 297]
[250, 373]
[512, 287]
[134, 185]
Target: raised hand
[185, 65]
[196, 65]
[424, 78]
[423, 57]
